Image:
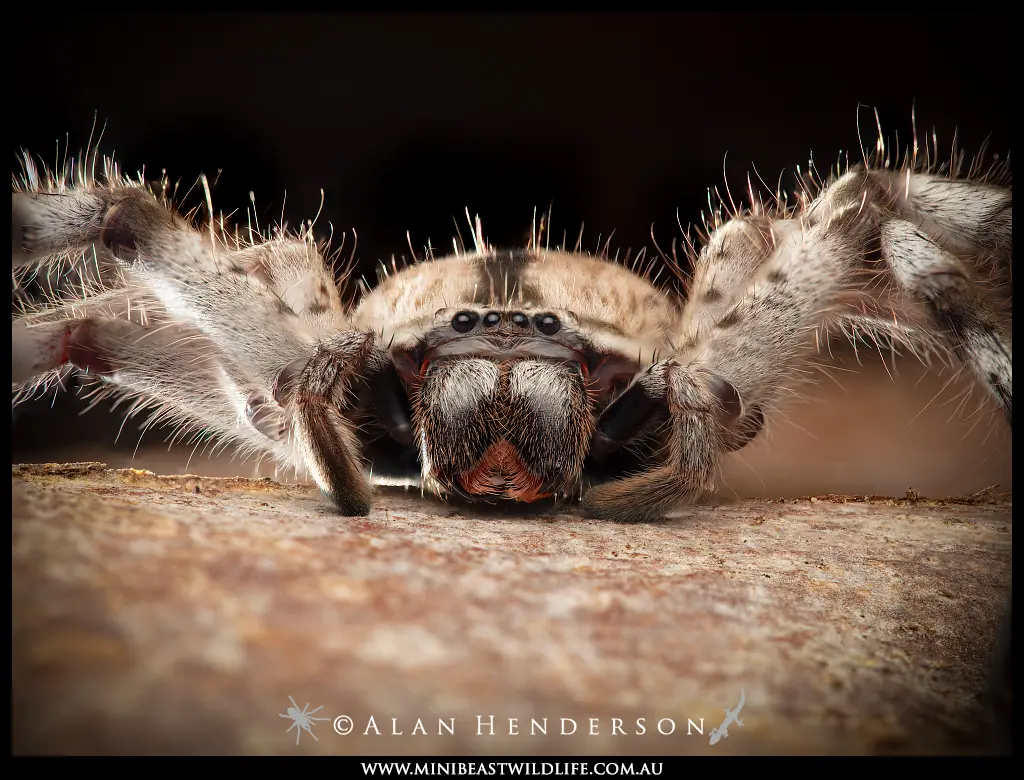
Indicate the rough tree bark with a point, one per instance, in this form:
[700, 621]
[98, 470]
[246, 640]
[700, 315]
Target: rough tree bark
[178, 614]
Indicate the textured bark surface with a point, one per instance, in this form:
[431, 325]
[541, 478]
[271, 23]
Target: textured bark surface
[178, 614]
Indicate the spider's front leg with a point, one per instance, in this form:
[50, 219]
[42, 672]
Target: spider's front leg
[886, 248]
[320, 397]
[758, 288]
[270, 315]
[703, 415]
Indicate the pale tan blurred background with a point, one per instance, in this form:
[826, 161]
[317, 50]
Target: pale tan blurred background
[882, 432]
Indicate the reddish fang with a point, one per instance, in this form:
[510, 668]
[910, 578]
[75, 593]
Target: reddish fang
[502, 471]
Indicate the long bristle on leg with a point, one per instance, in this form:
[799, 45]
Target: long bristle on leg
[266, 307]
[155, 363]
[763, 292]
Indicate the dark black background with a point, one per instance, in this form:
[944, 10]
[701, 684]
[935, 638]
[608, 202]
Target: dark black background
[406, 120]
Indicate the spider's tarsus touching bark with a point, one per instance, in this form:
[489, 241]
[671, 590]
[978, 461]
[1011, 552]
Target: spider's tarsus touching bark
[325, 391]
[519, 374]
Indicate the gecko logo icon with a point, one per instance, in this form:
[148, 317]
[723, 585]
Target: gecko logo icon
[731, 716]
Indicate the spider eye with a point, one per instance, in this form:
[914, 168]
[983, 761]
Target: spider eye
[491, 319]
[548, 324]
[520, 320]
[465, 321]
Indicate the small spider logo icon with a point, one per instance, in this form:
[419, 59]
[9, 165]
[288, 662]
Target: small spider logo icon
[301, 719]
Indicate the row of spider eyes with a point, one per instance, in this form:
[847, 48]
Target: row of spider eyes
[465, 321]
